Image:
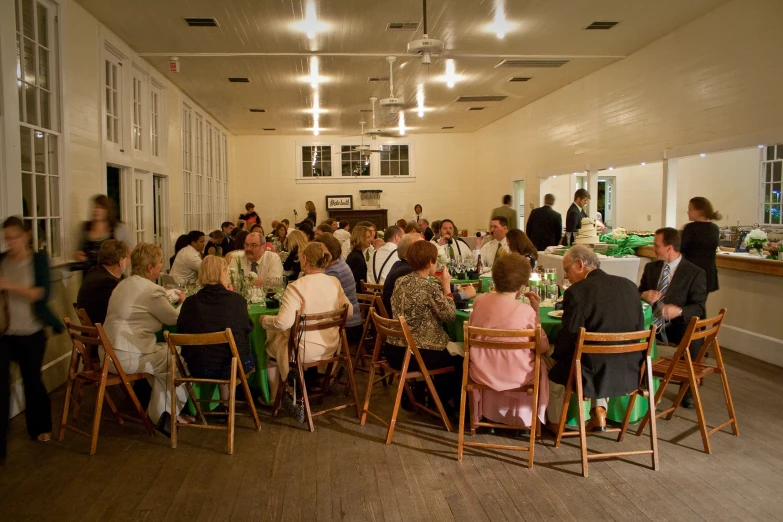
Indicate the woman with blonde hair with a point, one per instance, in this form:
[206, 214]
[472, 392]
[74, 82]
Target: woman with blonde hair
[138, 310]
[296, 242]
[310, 207]
[213, 309]
[313, 293]
[361, 239]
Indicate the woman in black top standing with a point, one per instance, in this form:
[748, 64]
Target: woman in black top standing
[310, 207]
[361, 239]
[701, 238]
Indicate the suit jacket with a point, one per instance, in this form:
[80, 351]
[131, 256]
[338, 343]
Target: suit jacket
[508, 213]
[227, 245]
[687, 289]
[429, 234]
[607, 304]
[574, 219]
[95, 292]
[544, 227]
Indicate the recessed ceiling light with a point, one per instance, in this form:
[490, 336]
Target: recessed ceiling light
[520, 79]
[601, 26]
[311, 25]
[447, 127]
[269, 129]
[201, 22]
[500, 26]
[703, 154]
[611, 168]
[644, 163]
[257, 110]
[762, 146]
[451, 76]
[239, 80]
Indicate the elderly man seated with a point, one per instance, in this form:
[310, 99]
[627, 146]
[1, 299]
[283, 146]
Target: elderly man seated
[260, 261]
[450, 246]
[383, 259]
[601, 303]
[424, 228]
[497, 246]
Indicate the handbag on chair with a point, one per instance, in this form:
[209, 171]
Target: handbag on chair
[293, 407]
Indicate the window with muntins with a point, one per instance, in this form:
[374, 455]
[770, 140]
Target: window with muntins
[136, 131]
[316, 161]
[394, 160]
[772, 184]
[36, 66]
[187, 165]
[353, 162]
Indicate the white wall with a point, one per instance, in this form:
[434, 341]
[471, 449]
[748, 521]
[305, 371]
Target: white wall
[265, 174]
[730, 180]
[562, 187]
[639, 192]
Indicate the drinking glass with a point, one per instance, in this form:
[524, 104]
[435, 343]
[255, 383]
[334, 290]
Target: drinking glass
[490, 286]
[551, 292]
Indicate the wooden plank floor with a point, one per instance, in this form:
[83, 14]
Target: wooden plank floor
[343, 471]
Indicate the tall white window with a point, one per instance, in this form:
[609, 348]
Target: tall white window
[36, 67]
[112, 91]
[187, 164]
[198, 170]
[209, 176]
[154, 123]
[224, 145]
[772, 184]
[136, 129]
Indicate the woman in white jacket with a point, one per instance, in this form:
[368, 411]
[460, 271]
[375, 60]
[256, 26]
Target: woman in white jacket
[138, 309]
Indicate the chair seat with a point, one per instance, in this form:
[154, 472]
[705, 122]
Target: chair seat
[411, 374]
[111, 380]
[680, 374]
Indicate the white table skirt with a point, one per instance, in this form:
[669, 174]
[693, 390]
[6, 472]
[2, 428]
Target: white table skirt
[628, 267]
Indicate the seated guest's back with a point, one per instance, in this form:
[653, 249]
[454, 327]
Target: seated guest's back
[506, 369]
[213, 309]
[101, 280]
[339, 269]
[361, 239]
[313, 293]
[399, 269]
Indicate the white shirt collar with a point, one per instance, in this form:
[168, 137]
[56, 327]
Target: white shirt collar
[674, 264]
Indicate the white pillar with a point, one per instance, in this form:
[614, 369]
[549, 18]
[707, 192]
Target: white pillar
[669, 192]
[592, 188]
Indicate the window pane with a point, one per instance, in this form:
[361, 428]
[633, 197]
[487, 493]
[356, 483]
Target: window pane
[19, 57]
[46, 113]
[31, 104]
[775, 211]
[770, 153]
[776, 171]
[25, 135]
[28, 24]
[21, 100]
[56, 246]
[395, 152]
[40, 225]
[404, 168]
[54, 196]
[394, 169]
[40, 152]
[768, 170]
[403, 152]
[307, 169]
[780, 152]
[41, 203]
[43, 68]
[27, 195]
[385, 168]
[53, 153]
[767, 192]
[29, 61]
[43, 35]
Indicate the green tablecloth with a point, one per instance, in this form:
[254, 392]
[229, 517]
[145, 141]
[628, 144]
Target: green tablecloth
[259, 379]
[551, 326]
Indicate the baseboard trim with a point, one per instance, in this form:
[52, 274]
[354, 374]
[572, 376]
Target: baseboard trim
[752, 344]
[17, 390]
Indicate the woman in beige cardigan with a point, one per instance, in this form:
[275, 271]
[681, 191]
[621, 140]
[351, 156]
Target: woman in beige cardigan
[314, 293]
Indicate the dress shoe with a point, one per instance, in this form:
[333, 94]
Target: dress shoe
[597, 419]
[687, 400]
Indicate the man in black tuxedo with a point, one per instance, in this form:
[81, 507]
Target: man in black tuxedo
[677, 290]
[228, 244]
[424, 228]
[575, 216]
[603, 303]
[545, 225]
[101, 280]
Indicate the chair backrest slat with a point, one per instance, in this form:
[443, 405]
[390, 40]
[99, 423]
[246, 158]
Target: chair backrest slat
[202, 339]
[489, 338]
[371, 288]
[587, 342]
[382, 311]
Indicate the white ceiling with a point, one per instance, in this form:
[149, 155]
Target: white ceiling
[255, 39]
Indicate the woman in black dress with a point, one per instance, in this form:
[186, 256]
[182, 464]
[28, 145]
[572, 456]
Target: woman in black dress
[310, 207]
[361, 239]
[701, 238]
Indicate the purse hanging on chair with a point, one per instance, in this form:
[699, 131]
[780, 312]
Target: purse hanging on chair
[291, 405]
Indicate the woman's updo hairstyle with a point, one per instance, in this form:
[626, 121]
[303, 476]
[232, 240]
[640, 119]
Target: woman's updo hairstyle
[704, 206]
[511, 272]
[317, 255]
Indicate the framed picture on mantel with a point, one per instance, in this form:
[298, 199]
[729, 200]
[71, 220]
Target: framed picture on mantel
[339, 202]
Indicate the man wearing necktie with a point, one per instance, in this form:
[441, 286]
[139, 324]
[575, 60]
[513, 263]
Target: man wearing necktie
[260, 261]
[677, 291]
[449, 244]
[497, 246]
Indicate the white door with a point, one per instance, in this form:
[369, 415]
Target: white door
[519, 200]
[143, 220]
[160, 231]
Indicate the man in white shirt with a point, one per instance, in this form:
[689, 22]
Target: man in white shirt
[449, 245]
[188, 261]
[382, 259]
[497, 245]
[343, 232]
[260, 261]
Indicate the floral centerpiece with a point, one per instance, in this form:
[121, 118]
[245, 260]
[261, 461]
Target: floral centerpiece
[240, 282]
[755, 240]
[619, 234]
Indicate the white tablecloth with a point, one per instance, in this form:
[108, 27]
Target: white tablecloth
[628, 267]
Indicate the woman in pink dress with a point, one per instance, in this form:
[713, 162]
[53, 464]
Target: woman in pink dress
[504, 369]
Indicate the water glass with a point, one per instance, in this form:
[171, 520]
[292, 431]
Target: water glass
[551, 292]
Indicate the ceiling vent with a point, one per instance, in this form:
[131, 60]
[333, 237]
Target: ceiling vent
[201, 22]
[547, 64]
[365, 110]
[239, 80]
[601, 26]
[257, 110]
[269, 129]
[479, 99]
[378, 79]
[447, 128]
[402, 26]
[476, 109]
[520, 79]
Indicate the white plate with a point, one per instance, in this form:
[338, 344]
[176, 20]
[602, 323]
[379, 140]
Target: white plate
[557, 314]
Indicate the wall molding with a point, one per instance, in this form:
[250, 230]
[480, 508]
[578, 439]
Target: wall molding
[758, 346]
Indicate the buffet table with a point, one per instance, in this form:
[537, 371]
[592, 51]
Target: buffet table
[628, 267]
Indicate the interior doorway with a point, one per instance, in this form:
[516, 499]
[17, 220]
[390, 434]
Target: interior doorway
[519, 199]
[605, 203]
[114, 188]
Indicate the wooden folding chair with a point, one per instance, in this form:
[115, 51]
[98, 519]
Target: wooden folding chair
[81, 313]
[687, 372]
[366, 303]
[308, 323]
[592, 343]
[398, 328]
[83, 337]
[490, 339]
[203, 341]
[93, 358]
[372, 288]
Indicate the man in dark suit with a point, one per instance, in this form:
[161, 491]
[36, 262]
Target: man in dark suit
[603, 303]
[575, 216]
[424, 228]
[228, 244]
[677, 290]
[102, 279]
[545, 225]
